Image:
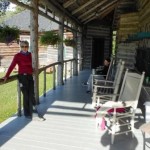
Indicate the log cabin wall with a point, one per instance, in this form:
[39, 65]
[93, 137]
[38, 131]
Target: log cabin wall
[144, 21]
[6, 53]
[47, 54]
[127, 53]
[130, 24]
[134, 22]
[143, 51]
[92, 32]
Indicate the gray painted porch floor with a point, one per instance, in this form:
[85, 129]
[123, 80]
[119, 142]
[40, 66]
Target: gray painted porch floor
[69, 124]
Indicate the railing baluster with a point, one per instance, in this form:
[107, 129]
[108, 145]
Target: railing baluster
[70, 69]
[54, 77]
[65, 71]
[44, 89]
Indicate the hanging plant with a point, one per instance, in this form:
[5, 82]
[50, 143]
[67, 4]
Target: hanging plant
[50, 38]
[8, 34]
[70, 42]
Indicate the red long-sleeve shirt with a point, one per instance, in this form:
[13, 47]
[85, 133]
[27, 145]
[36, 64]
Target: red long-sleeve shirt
[24, 63]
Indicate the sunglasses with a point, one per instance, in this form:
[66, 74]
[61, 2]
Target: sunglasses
[24, 46]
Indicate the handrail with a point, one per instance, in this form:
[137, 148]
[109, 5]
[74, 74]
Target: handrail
[53, 64]
[10, 79]
[48, 66]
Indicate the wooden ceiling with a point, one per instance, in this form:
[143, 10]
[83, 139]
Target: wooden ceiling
[86, 11]
[82, 12]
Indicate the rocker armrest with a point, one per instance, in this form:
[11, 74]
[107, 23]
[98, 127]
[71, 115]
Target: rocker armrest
[104, 81]
[130, 103]
[100, 67]
[122, 104]
[107, 95]
[103, 86]
[98, 75]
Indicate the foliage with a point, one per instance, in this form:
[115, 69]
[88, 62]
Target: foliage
[70, 42]
[6, 16]
[50, 38]
[3, 6]
[8, 34]
[114, 43]
[19, 9]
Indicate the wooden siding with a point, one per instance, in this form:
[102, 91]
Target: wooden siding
[127, 52]
[46, 54]
[128, 25]
[91, 32]
[144, 23]
[7, 52]
[134, 22]
[52, 53]
[141, 4]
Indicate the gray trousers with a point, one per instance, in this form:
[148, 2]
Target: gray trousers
[89, 82]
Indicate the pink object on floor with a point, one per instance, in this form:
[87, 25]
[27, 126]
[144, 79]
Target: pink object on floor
[119, 110]
[103, 124]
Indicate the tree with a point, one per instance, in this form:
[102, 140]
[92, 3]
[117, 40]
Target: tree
[3, 6]
[9, 13]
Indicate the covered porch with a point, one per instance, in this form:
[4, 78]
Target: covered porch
[69, 124]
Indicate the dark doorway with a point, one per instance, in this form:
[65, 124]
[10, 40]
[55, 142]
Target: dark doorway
[97, 52]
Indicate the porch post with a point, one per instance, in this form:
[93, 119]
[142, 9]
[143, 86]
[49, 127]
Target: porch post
[75, 55]
[60, 53]
[34, 45]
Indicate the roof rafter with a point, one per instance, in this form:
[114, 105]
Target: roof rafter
[62, 9]
[44, 14]
[68, 3]
[83, 6]
[108, 10]
[104, 11]
[115, 14]
[92, 9]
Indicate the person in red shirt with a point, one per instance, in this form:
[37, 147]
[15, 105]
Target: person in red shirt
[24, 61]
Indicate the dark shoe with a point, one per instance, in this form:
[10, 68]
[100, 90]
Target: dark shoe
[38, 118]
[88, 91]
[84, 84]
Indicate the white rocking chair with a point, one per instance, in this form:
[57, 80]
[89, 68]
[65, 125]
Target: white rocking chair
[109, 73]
[121, 113]
[107, 87]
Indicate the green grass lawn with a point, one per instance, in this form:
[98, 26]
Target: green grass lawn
[8, 95]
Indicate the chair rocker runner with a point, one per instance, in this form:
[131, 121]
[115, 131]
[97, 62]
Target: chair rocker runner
[121, 113]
